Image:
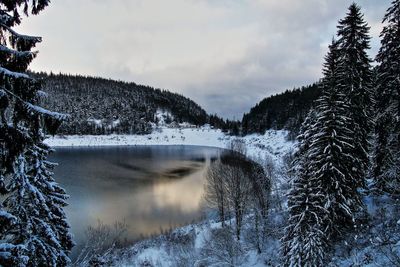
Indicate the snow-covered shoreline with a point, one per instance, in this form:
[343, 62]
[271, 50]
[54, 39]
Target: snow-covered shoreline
[273, 142]
[165, 136]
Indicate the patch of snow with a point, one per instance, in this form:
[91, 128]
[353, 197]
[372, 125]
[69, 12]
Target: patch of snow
[161, 117]
[97, 122]
[115, 123]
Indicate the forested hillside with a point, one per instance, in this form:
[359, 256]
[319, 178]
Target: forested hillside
[286, 110]
[102, 106]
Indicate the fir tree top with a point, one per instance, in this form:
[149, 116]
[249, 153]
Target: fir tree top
[353, 29]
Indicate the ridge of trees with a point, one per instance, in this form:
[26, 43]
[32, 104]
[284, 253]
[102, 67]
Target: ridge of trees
[103, 106]
[285, 110]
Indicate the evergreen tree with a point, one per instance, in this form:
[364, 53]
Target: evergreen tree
[304, 243]
[332, 150]
[356, 83]
[35, 232]
[322, 196]
[387, 154]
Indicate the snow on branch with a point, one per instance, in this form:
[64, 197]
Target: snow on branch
[6, 18]
[17, 53]
[8, 216]
[15, 75]
[19, 41]
[16, 35]
[45, 112]
[41, 94]
[40, 110]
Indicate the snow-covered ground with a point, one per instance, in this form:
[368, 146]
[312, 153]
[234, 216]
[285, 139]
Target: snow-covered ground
[376, 244]
[272, 143]
[192, 245]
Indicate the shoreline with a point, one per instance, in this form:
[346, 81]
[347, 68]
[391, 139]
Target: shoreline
[165, 136]
[272, 144]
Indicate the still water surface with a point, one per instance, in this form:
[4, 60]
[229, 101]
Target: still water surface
[149, 187]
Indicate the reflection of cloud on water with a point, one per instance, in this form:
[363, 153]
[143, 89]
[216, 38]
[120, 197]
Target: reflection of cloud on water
[162, 204]
[149, 191]
[185, 193]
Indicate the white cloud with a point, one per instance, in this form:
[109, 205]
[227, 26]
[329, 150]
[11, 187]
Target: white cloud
[224, 54]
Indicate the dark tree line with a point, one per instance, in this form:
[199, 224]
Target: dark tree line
[286, 110]
[103, 106]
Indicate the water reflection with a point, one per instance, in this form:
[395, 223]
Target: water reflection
[148, 187]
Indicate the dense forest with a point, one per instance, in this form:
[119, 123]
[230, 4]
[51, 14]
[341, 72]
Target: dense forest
[104, 106]
[286, 110]
[101, 106]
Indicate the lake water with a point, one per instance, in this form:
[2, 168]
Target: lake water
[150, 187]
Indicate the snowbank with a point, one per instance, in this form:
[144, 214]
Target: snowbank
[162, 136]
[273, 142]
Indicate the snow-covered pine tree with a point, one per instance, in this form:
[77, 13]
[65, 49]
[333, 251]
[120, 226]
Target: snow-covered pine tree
[387, 154]
[331, 149]
[356, 84]
[304, 243]
[35, 232]
[321, 199]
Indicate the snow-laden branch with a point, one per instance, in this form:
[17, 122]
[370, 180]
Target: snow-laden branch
[43, 111]
[4, 48]
[13, 74]
[38, 109]
[35, 39]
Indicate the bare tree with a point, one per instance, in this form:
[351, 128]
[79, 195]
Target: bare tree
[238, 189]
[238, 145]
[236, 186]
[221, 249]
[101, 240]
[259, 202]
[271, 172]
[215, 191]
[228, 190]
[287, 166]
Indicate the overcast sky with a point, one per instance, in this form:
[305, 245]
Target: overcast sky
[224, 54]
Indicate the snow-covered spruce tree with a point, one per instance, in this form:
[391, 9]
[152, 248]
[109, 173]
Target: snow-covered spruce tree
[331, 149]
[304, 243]
[387, 155]
[35, 231]
[322, 198]
[356, 83]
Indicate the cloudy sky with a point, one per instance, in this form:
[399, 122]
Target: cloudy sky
[225, 54]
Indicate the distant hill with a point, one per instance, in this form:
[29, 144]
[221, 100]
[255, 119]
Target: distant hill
[103, 106]
[286, 110]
